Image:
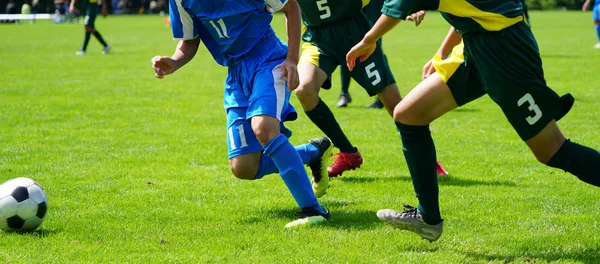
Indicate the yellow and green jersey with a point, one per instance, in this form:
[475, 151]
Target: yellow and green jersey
[464, 15]
[320, 12]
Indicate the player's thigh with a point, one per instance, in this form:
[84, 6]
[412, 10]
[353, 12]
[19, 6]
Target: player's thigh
[242, 145]
[314, 66]
[390, 97]
[270, 95]
[373, 74]
[509, 64]
[429, 100]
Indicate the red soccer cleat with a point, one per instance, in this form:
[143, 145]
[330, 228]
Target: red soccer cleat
[345, 161]
[441, 171]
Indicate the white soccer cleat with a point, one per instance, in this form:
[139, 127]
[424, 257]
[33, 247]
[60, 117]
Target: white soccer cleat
[80, 53]
[106, 49]
[411, 220]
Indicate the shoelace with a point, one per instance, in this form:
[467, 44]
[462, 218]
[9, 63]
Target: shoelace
[306, 212]
[410, 211]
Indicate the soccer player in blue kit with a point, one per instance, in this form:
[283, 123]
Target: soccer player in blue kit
[595, 17]
[261, 72]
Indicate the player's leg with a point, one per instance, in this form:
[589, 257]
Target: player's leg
[268, 107]
[345, 97]
[86, 38]
[452, 85]
[248, 162]
[246, 157]
[429, 100]
[596, 18]
[516, 83]
[313, 70]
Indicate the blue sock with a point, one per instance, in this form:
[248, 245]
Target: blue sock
[307, 152]
[598, 32]
[292, 171]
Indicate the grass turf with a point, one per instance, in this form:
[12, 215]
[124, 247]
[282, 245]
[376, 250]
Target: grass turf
[136, 171]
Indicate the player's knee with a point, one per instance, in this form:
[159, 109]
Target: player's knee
[264, 133]
[265, 128]
[242, 170]
[305, 90]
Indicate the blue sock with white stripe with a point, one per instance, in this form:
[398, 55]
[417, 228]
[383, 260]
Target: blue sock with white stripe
[307, 152]
[292, 171]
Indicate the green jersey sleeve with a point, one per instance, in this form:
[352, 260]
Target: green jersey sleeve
[402, 8]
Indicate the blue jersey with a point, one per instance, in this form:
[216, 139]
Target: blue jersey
[228, 28]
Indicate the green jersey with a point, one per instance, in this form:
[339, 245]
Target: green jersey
[373, 10]
[321, 12]
[464, 15]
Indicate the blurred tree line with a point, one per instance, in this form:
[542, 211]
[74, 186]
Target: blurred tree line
[555, 4]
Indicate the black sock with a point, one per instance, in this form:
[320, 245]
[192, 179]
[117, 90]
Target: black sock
[419, 152]
[324, 119]
[578, 160]
[86, 40]
[99, 37]
[345, 74]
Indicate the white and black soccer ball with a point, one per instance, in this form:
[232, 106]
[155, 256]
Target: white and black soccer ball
[23, 205]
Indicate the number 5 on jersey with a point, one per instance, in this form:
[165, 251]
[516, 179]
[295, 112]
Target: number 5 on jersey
[322, 6]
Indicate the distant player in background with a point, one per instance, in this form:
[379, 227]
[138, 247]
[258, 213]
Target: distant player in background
[261, 69]
[91, 9]
[373, 12]
[595, 17]
[332, 28]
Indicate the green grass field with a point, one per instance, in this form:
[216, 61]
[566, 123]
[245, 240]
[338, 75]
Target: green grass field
[136, 169]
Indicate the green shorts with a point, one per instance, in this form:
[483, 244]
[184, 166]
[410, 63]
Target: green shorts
[326, 47]
[90, 15]
[507, 66]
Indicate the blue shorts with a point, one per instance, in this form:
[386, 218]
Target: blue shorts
[256, 86]
[596, 16]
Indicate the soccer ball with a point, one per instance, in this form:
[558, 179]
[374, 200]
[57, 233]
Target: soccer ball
[23, 205]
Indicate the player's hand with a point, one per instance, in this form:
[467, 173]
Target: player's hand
[584, 7]
[417, 17]
[104, 12]
[360, 51]
[163, 65]
[72, 9]
[290, 73]
[428, 69]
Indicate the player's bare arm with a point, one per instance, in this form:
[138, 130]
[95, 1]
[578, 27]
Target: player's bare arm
[72, 7]
[367, 46]
[104, 7]
[185, 51]
[293, 25]
[452, 39]
[585, 5]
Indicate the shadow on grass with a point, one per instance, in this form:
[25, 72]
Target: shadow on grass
[444, 181]
[342, 219]
[586, 255]
[40, 233]
[465, 110]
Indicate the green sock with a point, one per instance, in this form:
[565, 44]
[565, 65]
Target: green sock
[578, 160]
[419, 152]
[345, 75]
[324, 119]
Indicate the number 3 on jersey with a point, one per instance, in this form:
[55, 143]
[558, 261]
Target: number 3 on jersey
[537, 113]
[322, 5]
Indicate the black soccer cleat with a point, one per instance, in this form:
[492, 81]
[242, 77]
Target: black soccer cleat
[318, 165]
